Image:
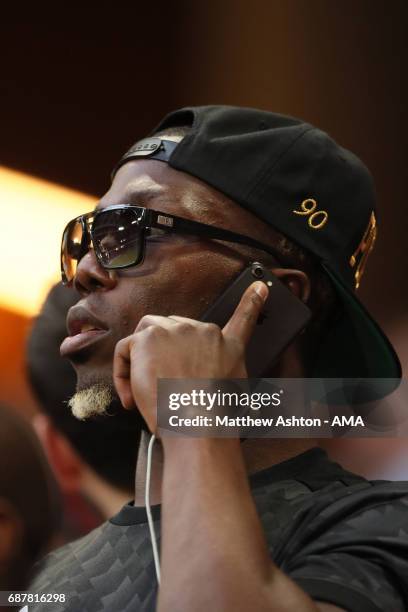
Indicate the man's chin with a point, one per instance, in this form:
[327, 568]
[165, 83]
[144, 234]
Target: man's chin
[91, 401]
[96, 399]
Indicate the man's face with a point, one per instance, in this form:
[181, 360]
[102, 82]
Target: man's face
[180, 274]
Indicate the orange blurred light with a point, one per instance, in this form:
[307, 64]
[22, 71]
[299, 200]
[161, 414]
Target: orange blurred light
[33, 214]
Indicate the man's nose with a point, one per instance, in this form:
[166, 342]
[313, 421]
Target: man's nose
[90, 276]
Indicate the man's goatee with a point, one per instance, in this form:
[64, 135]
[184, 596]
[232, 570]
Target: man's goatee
[90, 402]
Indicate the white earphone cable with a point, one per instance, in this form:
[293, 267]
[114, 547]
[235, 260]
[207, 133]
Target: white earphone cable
[148, 509]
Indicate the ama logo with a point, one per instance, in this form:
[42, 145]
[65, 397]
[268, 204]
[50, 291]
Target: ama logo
[351, 421]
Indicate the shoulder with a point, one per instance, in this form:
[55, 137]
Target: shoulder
[355, 513]
[352, 545]
[342, 538]
[362, 504]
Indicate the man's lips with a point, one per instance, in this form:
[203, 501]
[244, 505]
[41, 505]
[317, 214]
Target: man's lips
[84, 329]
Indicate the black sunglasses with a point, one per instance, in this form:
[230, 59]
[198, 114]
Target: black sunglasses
[118, 236]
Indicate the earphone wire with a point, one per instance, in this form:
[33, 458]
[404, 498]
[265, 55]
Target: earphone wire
[148, 509]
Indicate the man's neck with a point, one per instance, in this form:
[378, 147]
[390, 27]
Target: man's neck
[156, 473]
[262, 453]
[259, 454]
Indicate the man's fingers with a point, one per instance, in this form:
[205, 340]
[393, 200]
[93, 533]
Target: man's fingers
[121, 372]
[240, 326]
[242, 323]
[154, 320]
[185, 320]
[122, 356]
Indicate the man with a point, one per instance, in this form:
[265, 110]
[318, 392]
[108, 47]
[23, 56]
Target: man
[77, 450]
[258, 524]
[29, 502]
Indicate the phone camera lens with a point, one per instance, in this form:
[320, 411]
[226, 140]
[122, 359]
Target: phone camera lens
[257, 271]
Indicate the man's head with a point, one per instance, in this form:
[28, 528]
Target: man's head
[254, 173]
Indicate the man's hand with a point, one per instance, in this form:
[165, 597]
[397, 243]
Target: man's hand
[177, 347]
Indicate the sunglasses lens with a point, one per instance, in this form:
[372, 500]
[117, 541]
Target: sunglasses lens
[71, 249]
[118, 238]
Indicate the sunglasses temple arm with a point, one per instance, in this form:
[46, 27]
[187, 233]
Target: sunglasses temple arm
[185, 226]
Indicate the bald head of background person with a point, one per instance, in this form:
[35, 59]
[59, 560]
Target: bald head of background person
[94, 458]
[29, 501]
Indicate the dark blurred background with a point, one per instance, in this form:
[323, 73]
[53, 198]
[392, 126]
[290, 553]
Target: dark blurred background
[80, 83]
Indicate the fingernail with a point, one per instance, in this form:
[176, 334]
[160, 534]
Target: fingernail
[261, 289]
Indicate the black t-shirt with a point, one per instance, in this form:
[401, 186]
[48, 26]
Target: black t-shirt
[341, 538]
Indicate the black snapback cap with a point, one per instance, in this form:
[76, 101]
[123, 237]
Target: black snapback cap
[297, 179]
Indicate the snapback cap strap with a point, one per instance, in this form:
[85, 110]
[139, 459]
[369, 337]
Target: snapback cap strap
[153, 148]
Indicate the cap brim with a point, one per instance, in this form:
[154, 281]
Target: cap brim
[356, 348]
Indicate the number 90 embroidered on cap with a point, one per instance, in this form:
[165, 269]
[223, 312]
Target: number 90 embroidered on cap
[317, 218]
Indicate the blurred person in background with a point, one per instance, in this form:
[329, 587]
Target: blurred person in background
[94, 460]
[30, 506]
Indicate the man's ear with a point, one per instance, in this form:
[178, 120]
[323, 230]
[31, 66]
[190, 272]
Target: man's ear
[11, 533]
[65, 462]
[295, 280]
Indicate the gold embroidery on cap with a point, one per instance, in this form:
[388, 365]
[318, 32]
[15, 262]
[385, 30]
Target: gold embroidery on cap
[360, 255]
[308, 207]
